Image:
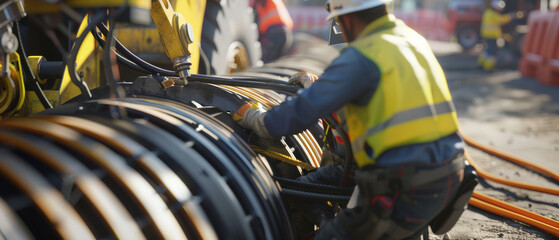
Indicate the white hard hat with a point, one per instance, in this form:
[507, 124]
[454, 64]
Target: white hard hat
[341, 7]
[498, 5]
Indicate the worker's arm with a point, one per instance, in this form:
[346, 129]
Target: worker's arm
[349, 78]
[503, 18]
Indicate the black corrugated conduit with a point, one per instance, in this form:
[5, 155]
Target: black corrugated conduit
[170, 169]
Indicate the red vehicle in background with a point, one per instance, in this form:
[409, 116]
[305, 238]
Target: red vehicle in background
[465, 21]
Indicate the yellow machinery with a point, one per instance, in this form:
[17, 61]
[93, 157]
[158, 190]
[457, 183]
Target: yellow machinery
[130, 137]
[179, 24]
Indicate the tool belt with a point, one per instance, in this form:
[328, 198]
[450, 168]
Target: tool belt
[374, 181]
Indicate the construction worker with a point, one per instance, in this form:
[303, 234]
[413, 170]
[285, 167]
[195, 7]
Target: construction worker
[274, 26]
[401, 120]
[491, 31]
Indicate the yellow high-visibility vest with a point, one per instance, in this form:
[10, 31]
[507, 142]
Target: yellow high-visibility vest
[491, 23]
[412, 103]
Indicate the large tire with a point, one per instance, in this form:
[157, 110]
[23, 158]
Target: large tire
[468, 36]
[229, 37]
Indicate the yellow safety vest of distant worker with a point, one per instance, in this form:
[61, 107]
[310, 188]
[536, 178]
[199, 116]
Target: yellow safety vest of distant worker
[491, 23]
[491, 31]
[420, 108]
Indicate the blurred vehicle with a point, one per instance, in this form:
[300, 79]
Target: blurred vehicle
[465, 21]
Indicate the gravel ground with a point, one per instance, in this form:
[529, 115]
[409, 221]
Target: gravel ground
[513, 114]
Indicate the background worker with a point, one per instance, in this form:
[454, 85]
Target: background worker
[274, 26]
[401, 120]
[491, 31]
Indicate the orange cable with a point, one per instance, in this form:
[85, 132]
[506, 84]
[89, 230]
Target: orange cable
[482, 173]
[504, 209]
[515, 216]
[518, 210]
[510, 158]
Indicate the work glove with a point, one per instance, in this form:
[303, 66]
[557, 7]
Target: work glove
[304, 79]
[329, 158]
[329, 175]
[251, 116]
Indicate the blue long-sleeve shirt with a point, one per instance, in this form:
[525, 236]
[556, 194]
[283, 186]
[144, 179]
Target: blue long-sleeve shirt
[351, 78]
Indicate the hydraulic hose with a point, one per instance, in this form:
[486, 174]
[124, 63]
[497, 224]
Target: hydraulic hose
[112, 75]
[261, 79]
[119, 57]
[265, 83]
[97, 18]
[135, 59]
[285, 87]
[318, 196]
[313, 187]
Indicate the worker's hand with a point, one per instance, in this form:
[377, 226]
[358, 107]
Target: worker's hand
[329, 174]
[251, 116]
[304, 79]
[330, 158]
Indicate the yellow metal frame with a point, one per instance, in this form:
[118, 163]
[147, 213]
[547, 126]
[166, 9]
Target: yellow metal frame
[147, 39]
[87, 64]
[17, 90]
[139, 39]
[19, 77]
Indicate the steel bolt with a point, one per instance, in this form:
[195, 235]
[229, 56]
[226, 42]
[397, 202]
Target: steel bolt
[8, 42]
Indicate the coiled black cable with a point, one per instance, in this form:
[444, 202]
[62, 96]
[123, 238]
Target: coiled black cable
[133, 61]
[111, 72]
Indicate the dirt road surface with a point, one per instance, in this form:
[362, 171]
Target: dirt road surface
[516, 115]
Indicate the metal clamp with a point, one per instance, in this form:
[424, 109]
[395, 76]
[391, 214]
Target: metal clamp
[10, 11]
[176, 35]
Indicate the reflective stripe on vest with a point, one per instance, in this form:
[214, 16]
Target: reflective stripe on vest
[490, 27]
[403, 117]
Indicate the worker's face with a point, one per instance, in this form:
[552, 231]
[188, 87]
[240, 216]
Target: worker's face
[342, 27]
[344, 21]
